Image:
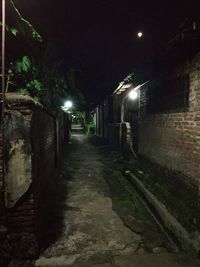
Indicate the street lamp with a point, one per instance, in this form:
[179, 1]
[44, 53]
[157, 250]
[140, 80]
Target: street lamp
[67, 106]
[133, 95]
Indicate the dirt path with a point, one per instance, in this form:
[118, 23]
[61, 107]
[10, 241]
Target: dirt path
[93, 234]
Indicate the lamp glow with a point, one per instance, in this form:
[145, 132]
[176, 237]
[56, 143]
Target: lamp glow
[68, 104]
[133, 94]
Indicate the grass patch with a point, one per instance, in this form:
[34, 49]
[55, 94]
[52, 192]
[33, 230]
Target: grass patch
[134, 214]
[177, 192]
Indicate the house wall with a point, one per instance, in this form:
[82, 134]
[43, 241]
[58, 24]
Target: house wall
[108, 125]
[117, 108]
[114, 135]
[97, 121]
[100, 120]
[173, 139]
[106, 117]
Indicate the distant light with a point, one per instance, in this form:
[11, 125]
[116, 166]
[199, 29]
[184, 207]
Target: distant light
[68, 104]
[140, 34]
[133, 94]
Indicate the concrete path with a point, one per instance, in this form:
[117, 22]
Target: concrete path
[93, 233]
[77, 128]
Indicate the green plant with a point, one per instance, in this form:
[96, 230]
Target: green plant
[25, 82]
[89, 128]
[36, 69]
[22, 65]
[11, 30]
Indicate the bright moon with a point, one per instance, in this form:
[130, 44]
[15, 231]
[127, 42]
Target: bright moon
[140, 34]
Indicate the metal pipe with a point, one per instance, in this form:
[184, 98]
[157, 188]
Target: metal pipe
[3, 90]
[3, 51]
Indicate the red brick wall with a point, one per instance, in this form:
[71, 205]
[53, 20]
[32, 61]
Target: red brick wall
[173, 139]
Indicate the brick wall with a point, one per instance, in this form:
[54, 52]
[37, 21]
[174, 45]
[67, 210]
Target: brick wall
[173, 139]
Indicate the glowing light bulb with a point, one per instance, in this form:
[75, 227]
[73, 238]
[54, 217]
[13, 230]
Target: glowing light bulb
[133, 94]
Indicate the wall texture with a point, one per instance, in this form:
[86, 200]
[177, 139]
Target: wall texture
[33, 151]
[18, 171]
[173, 139]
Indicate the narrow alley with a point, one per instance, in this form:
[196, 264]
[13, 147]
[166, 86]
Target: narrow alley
[93, 233]
[100, 133]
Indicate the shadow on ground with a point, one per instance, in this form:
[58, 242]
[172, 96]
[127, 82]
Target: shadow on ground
[53, 209]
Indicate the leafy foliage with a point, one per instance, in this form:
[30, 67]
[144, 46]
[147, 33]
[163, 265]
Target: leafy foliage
[23, 91]
[22, 66]
[89, 126]
[40, 78]
[11, 30]
[36, 70]
[79, 115]
[22, 72]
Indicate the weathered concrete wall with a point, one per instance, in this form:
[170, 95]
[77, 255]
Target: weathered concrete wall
[20, 213]
[33, 148]
[18, 169]
[173, 139]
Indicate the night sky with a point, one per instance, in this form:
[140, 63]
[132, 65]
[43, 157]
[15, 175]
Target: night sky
[98, 38]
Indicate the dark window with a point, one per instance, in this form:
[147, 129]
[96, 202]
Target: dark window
[168, 95]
